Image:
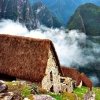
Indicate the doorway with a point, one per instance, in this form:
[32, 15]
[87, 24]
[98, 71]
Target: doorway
[52, 89]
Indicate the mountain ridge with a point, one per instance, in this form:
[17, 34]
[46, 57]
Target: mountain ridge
[87, 19]
[44, 15]
[22, 11]
[64, 9]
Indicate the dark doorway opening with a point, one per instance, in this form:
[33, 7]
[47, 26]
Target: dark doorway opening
[52, 89]
[51, 76]
[6, 77]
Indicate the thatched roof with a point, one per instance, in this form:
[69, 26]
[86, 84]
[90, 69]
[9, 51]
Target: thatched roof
[86, 81]
[70, 72]
[25, 58]
[76, 75]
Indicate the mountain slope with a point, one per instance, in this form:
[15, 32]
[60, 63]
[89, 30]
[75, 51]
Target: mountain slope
[19, 10]
[44, 16]
[87, 19]
[64, 9]
[22, 11]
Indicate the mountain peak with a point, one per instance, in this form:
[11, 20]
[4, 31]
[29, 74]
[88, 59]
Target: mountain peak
[44, 15]
[31, 16]
[88, 5]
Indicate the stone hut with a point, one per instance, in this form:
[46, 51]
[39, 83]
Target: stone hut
[72, 73]
[66, 84]
[30, 59]
[36, 60]
[70, 78]
[79, 78]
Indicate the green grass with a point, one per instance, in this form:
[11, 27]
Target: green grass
[14, 86]
[63, 96]
[56, 96]
[25, 90]
[97, 92]
[17, 87]
[80, 91]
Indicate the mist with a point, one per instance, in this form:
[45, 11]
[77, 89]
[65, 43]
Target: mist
[73, 47]
[68, 44]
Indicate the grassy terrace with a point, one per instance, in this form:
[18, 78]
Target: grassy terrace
[25, 91]
[77, 94]
[81, 91]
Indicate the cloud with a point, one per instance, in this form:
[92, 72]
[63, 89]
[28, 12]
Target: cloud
[13, 28]
[68, 44]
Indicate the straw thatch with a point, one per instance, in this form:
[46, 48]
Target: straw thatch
[77, 76]
[25, 58]
[71, 72]
[87, 82]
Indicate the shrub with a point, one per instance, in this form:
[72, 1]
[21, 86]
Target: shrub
[26, 91]
[56, 96]
[34, 89]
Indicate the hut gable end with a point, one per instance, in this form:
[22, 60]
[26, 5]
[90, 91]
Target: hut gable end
[51, 79]
[25, 58]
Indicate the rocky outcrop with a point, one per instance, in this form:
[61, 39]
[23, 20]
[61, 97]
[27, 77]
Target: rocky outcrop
[4, 95]
[18, 10]
[31, 16]
[7, 94]
[89, 96]
[63, 9]
[3, 87]
[45, 16]
[43, 97]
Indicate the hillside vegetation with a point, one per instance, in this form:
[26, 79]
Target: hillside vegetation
[87, 19]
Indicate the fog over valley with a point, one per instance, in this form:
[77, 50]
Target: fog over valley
[74, 48]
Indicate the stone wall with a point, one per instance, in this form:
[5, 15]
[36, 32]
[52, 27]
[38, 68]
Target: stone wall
[66, 84]
[58, 86]
[51, 68]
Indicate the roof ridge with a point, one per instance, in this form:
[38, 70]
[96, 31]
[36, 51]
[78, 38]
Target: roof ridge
[25, 37]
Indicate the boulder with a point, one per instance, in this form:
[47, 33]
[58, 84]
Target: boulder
[3, 87]
[43, 97]
[6, 96]
[17, 97]
[89, 96]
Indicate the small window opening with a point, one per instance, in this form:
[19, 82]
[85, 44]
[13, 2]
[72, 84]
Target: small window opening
[51, 76]
[62, 80]
[52, 89]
